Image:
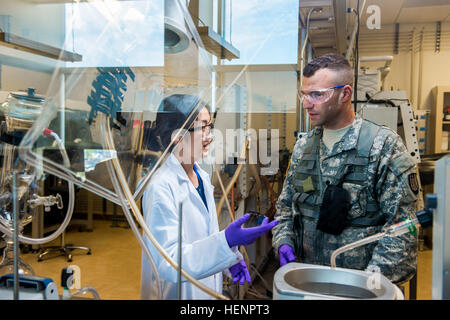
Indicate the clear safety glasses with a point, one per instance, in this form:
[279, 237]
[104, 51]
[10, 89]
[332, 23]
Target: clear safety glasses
[320, 95]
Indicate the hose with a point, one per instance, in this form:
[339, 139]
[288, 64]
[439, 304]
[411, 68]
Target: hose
[65, 223]
[355, 244]
[244, 251]
[133, 226]
[84, 290]
[123, 187]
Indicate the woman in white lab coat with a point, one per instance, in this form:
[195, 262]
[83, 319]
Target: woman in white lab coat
[206, 251]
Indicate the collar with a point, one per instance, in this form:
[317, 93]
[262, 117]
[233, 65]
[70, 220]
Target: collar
[350, 139]
[175, 164]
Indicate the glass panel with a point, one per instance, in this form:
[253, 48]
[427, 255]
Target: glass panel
[131, 61]
[264, 31]
[136, 31]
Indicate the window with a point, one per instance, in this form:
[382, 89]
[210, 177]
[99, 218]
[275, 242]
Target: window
[116, 33]
[264, 31]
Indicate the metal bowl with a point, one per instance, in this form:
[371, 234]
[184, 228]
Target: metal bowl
[307, 281]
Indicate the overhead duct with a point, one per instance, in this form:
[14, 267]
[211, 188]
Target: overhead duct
[176, 37]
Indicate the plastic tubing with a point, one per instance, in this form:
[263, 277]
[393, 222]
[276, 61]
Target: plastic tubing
[391, 231]
[123, 186]
[87, 289]
[355, 244]
[131, 222]
[65, 223]
[64, 173]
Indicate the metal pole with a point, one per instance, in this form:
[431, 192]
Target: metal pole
[15, 238]
[301, 111]
[180, 218]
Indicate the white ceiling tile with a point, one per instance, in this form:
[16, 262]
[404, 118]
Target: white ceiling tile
[423, 14]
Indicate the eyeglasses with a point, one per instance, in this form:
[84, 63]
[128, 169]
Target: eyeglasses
[206, 129]
[320, 95]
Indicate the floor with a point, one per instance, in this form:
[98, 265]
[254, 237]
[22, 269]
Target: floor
[113, 268]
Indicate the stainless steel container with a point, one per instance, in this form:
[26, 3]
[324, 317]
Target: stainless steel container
[296, 281]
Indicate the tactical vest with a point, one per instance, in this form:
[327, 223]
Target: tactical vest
[354, 168]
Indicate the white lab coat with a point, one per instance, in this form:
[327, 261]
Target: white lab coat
[205, 251]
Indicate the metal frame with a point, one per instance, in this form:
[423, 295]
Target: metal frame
[441, 231]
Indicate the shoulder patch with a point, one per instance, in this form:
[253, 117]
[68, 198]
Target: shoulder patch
[413, 184]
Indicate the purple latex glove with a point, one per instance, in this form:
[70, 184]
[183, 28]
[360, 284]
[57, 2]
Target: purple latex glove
[240, 273]
[236, 235]
[286, 254]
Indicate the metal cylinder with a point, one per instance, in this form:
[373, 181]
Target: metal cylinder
[306, 281]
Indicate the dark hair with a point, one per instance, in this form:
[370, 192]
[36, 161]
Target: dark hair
[173, 112]
[330, 61]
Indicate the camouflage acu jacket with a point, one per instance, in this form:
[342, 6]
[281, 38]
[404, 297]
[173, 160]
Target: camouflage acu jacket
[387, 192]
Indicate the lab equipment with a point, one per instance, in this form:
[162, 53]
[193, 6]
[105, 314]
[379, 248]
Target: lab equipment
[441, 231]
[31, 287]
[69, 280]
[299, 281]
[423, 219]
[17, 114]
[236, 235]
[304, 281]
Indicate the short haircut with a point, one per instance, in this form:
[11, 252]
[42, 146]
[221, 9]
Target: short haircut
[332, 61]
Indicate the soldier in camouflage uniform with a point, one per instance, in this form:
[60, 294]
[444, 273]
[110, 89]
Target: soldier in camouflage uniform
[369, 161]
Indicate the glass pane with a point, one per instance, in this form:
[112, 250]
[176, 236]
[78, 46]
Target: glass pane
[136, 31]
[264, 31]
[134, 54]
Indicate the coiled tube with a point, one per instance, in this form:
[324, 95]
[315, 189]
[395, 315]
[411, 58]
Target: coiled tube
[71, 204]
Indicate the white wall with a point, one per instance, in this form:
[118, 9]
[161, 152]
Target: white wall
[435, 66]
[43, 23]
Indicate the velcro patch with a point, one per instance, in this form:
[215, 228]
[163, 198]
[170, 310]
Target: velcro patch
[308, 185]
